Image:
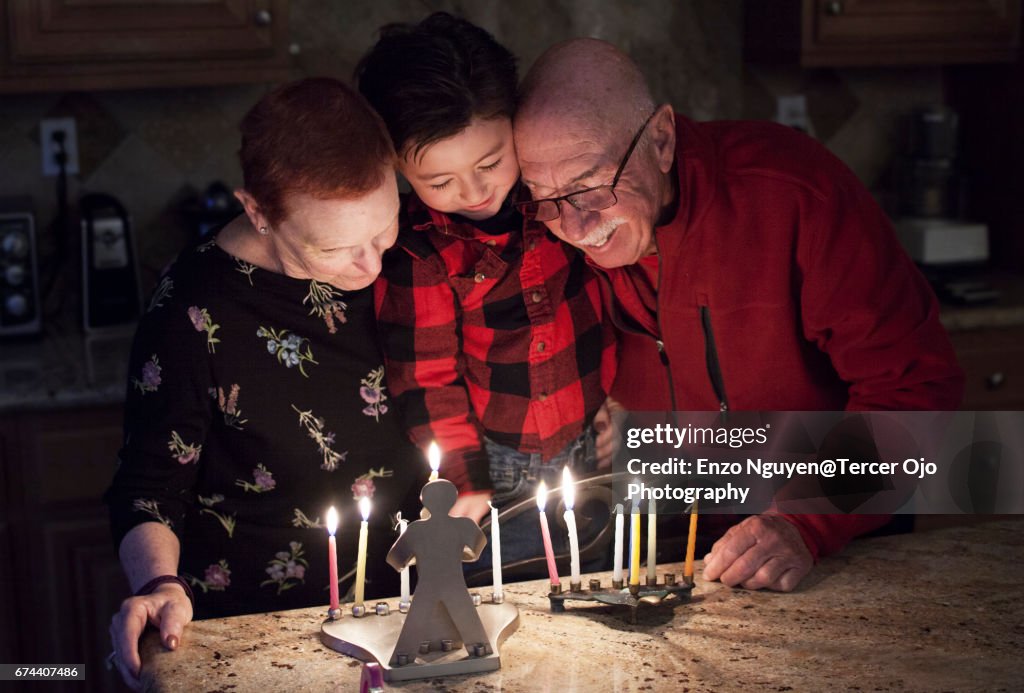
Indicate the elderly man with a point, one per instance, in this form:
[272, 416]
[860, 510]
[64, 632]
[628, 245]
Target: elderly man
[745, 267]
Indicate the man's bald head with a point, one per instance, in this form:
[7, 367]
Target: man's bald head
[593, 147]
[586, 83]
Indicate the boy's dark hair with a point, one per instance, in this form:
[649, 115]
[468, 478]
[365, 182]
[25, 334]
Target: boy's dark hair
[428, 80]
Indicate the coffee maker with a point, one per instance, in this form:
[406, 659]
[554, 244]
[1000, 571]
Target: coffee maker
[110, 284]
[931, 194]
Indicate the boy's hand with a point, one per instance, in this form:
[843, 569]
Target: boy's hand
[472, 505]
[608, 422]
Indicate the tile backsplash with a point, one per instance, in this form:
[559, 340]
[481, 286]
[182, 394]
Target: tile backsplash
[153, 149]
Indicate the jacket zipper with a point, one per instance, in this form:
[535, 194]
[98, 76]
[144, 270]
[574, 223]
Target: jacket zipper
[711, 359]
[658, 342]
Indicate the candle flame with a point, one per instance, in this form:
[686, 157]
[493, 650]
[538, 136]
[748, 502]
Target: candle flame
[542, 496]
[434, 456]
[364, 508]
[568, 489]
[332, 521]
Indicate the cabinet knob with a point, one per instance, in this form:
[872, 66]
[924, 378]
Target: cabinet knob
[263, 18]
[834, 8]
[995, 380]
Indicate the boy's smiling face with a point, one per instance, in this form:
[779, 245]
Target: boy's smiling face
[470, 173]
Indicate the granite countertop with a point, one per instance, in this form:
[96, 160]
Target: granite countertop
[917, 612]
[1006, 311]
[64, 368]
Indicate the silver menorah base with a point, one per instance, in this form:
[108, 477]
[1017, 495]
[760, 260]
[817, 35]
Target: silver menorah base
[373, 637]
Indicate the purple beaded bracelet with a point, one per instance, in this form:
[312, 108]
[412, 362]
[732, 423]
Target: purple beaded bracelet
[151, 586]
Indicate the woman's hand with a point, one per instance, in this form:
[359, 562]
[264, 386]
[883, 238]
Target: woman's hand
[472, 505]
[608, 422]
[168, 608]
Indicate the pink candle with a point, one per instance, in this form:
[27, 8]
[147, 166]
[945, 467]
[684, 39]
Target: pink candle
[549, 553]
[332, 556]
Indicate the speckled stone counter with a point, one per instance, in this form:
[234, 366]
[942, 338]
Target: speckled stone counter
[1006, 311]
[64, 368]
[933, 611]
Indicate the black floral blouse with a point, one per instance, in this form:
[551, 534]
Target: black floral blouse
[255, 402]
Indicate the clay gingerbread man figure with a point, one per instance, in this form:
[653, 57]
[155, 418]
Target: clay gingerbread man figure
[441, 608]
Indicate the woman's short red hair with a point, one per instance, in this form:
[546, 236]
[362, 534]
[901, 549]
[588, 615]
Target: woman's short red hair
[314, 136]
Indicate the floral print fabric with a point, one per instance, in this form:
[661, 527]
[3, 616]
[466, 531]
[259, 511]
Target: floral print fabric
[256, 401]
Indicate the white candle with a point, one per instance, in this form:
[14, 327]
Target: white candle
[434, 458]
[364, 529]
[569, 498]
[404, 599]
[617, 565]
[332, 557]
[652, 542]
[498, 593]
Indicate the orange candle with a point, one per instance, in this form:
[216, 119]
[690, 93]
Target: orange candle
[691, 544]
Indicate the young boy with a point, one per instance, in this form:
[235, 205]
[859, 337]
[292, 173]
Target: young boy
[492, 328]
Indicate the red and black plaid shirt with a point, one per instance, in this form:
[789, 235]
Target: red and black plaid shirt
[497, 335]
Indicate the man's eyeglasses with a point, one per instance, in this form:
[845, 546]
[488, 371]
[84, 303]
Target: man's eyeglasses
[587, 200]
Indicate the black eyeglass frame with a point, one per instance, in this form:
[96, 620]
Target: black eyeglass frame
[525, 206]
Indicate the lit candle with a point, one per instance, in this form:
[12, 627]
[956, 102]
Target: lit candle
[617, 570]
[569, 498]
[404, 599]
[332, 557]
[542, 499]
[434, 458]
[634, 544]
[652, 542]
[364, 529]
[498, 592]
[691, 544]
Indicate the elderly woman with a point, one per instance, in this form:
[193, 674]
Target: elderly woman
[256, 396]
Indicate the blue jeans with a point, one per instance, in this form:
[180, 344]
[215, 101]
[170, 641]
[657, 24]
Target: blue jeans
[515, 476]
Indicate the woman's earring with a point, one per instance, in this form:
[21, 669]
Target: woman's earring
[263, 230]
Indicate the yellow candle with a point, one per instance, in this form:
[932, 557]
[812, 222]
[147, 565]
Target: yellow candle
[364, 508]
[691, 544]
[634, 545]
[434, 458]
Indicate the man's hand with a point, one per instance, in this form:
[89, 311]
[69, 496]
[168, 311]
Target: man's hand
[608, 422]
[762, 552]
[472, 505]
[167, 608]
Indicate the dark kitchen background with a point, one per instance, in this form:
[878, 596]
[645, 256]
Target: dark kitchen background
[923, 99]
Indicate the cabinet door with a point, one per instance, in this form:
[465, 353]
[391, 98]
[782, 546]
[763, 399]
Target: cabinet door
[67, 578]
[993, 361]
[58, 31]
[100, 44]
[913, 21]
[881, 32]
[9, 651]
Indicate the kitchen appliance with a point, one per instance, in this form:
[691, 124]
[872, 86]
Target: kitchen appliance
[943, 241]
[20, 309]
[110, 285]
[928, 177]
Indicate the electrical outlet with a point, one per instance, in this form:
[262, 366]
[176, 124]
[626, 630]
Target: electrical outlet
[47, 129]
[792, 111]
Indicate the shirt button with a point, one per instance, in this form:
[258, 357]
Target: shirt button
[541, 346]
[480, 276]
[536, 297]
[541, 397]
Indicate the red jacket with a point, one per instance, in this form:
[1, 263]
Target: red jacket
[780, 286]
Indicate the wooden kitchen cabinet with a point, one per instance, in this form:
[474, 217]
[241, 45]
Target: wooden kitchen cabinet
[61, 45]
[838, 33]
[8, 624]
[67, 581]
[993, 360]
